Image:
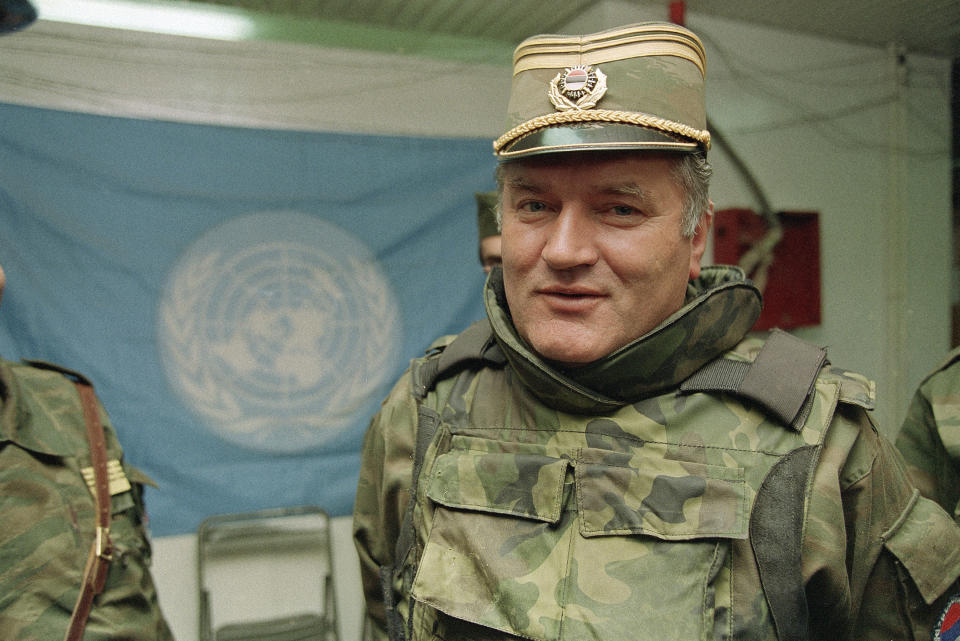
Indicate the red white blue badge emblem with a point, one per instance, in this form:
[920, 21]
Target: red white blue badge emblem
[579, 87]
[948, 628]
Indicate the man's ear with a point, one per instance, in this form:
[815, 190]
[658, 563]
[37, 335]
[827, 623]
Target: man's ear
[698, 242]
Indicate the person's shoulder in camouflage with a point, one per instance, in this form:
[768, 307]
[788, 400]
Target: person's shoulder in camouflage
[897, 572]
[49, 524]
[929, 437]
[904, 544]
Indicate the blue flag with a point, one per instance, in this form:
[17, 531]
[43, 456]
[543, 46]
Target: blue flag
[242, 299]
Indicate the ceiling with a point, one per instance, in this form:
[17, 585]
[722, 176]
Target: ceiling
[930, 27]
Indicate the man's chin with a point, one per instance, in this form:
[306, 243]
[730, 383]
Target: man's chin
[568, 350]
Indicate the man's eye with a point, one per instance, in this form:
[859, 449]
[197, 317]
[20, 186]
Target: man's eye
[624, 210]
[532, 207]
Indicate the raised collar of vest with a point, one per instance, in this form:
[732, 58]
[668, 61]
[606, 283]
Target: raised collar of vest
[722, 306]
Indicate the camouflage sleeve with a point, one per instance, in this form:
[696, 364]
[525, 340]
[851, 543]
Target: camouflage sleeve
[383, 492]
[49, 521]
[48, 529]
[128, 607]
[929, 439]
[879, 561]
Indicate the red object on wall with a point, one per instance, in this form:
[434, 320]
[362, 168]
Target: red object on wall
[791, 282]
[677, 10]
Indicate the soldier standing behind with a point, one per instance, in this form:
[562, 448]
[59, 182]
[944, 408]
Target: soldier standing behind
[930, 435]
[74, 552]
[488, 230]
[606, 456]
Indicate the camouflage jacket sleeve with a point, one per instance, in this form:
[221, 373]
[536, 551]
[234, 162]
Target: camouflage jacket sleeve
[879, 561]
[383, 492]
[929, 438]
[48, 515]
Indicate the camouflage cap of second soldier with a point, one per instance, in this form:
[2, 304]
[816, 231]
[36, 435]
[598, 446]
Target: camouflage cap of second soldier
[487, 214]
[637, 87]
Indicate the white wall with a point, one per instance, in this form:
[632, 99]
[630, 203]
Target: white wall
[252, 84]
[175, 574]
[864, 140]
[843, 130]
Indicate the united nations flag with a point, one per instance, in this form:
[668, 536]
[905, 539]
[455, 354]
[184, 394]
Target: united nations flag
[241, 298]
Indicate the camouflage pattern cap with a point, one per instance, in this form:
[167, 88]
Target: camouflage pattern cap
[637, 87]
[487, 214]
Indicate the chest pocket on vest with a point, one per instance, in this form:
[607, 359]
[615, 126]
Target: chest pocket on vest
[597, 545]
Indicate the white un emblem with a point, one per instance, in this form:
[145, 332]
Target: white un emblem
[277, 329]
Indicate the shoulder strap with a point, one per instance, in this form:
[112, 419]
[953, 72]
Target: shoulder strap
[53, 367]
[776, 536]
[98, 561]
[472, 349]
[781, 378]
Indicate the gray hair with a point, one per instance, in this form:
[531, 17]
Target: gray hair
[692, 173]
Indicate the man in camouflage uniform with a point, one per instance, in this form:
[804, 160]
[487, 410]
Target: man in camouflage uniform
[488, 230]
[605, 457]
[929, 438]
[48, 516]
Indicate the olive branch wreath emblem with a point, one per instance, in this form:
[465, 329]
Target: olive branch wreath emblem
[190, 366]
[587, 97]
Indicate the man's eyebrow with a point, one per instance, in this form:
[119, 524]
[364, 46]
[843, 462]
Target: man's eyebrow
[634, 191]
[523, 185]
[644, 196]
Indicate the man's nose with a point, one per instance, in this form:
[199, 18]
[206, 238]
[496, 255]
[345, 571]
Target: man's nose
[571, 241]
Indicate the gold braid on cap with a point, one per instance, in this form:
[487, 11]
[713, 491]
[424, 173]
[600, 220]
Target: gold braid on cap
[602, 115]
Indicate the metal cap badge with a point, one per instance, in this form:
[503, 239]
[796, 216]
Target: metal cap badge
[635, 87]
[579, 87]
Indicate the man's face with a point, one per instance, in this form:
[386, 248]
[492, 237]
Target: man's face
[593, 251]
[490, 255]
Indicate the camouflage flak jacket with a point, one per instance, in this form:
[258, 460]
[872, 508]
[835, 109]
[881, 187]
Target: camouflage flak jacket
[606, 503]
[47, 512]
[930, 435]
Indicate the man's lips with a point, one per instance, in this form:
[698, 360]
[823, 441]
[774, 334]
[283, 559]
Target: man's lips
[569, 291]
[570, 298]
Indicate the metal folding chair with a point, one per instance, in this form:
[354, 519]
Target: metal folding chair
[267, 576]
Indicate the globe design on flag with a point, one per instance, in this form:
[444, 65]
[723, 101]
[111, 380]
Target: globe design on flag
[277, 329]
